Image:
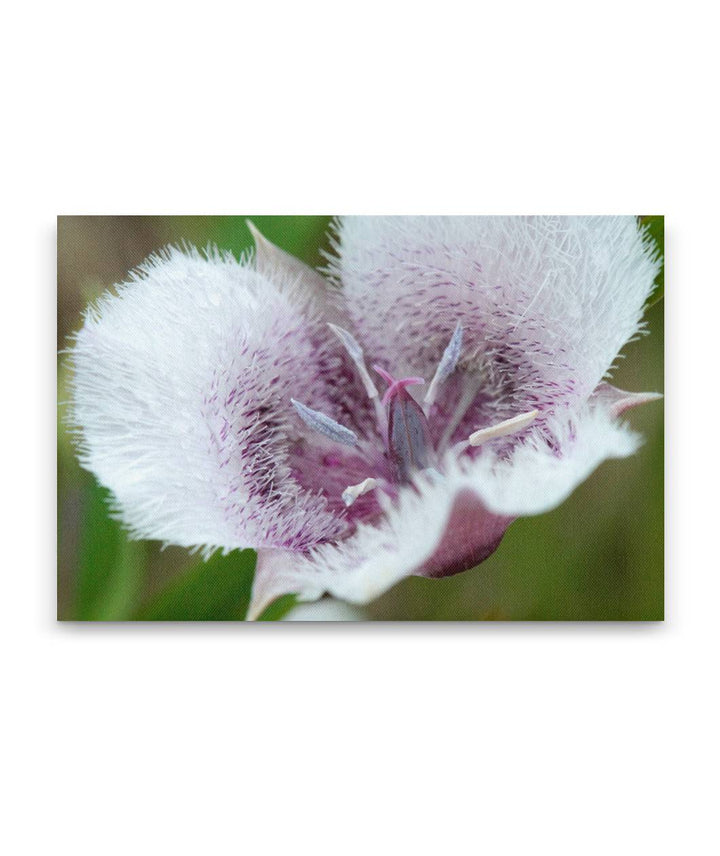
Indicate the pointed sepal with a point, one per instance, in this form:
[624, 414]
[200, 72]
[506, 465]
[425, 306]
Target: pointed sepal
[270, 259]
[617, 401]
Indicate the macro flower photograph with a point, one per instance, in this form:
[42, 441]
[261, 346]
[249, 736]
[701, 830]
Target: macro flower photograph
[450, 418]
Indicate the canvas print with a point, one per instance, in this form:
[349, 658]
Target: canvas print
[360, 418]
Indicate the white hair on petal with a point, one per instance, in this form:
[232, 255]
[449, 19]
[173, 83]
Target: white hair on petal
[181, 401]
[545, 303]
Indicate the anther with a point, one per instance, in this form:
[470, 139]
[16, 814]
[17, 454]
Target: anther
[502, 429]
[351, 493]
[325, 425]
[355, 352]
[445, 368]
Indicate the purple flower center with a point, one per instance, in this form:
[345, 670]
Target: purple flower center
[402, 423]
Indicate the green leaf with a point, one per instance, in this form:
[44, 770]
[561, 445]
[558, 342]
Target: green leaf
[110, 567]
[216, 590]
[278, 608]
[655, 225]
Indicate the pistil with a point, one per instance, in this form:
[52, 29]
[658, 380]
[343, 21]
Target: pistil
[408, 441]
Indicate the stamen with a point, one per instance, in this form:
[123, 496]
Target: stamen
[355, 352]
[351, 493]
[502, 429]
[325, 425]
[470, 389]
[445, 368]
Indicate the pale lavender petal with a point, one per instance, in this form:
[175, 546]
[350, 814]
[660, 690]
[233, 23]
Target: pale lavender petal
[181, 398]
[545, 303]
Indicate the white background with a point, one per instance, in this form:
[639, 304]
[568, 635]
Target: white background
[504, 739]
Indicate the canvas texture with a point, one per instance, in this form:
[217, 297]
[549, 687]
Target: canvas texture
[360, 418]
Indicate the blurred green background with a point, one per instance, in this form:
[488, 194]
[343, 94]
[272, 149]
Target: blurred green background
[598, 556]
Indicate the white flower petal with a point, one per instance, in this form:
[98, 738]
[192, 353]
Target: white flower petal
[430, 525]
[181, 398]
[546, 303]
[327, 609]
[542, 472]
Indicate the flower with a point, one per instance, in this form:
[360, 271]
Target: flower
[448, 376]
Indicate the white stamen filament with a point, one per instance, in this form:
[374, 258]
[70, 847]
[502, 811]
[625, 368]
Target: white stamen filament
[471, 387]
[351, 345]
[502, 429]
[445, 368]
[351, 493]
